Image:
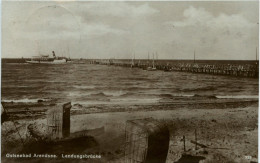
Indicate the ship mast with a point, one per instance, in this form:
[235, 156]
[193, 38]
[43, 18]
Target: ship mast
[194, 57]
[69, 51]
[38, 48]
[148, 58]
[132, 59]
[153, 60]
[256, 54]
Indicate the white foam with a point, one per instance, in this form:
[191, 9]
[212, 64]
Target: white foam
[118, 101]
[26, 100]
[187, 95]
[239, 96]
[114, 93]
[84, 87]
[78, 94]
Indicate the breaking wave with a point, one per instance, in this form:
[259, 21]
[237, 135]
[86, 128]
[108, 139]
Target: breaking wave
[26, 100]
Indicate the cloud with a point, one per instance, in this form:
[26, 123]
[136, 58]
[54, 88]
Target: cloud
[55, 22]
[117, 9]
[101, 29]
[59, 31]
[105, 29]
[224, 35]
[201, 17]
[52, 27]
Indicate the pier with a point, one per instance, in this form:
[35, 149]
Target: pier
[239, 68]
[248, 69]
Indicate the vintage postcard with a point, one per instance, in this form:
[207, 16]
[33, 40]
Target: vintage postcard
[129, 81]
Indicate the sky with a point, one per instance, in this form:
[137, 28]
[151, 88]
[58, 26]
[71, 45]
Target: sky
[126, 30]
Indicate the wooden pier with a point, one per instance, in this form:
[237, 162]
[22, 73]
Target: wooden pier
[230, 68]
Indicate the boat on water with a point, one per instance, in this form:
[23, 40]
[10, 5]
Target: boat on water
[45, 59]
[153, 68]
[133, 64]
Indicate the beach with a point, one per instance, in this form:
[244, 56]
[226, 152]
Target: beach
[229, 130]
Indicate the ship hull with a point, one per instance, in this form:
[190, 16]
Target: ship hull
[62, 61]
[151, 69]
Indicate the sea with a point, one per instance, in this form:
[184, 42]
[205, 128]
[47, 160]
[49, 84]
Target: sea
[103, 84]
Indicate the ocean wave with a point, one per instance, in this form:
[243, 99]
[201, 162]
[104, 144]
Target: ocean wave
[207, 88]
[135, 100]
[114, 93]
[100, 94]
[187, 95]
[16, 63]
[100, 101]
[95, 94]
[128, 94]
[156, 94]
[84, 87]
[166, 95]
[239, 96]
[137, 88]
[78, 93]
[207, 96]
[105, 83]
[15, 86]
[26, 100]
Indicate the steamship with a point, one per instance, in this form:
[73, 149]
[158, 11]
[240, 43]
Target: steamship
[45, 59]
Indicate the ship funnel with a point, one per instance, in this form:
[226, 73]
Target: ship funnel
[53, 54]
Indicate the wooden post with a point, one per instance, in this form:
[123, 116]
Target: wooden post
[184, 144]
[196, 139]
[58, 121]
[54, 122]
[66, 120]
[147, 140]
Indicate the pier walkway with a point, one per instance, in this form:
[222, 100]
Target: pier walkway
[232, 68]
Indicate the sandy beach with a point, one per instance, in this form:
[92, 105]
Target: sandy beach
[226, 130]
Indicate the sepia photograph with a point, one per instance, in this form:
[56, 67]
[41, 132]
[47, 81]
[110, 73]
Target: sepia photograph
[129, 81]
